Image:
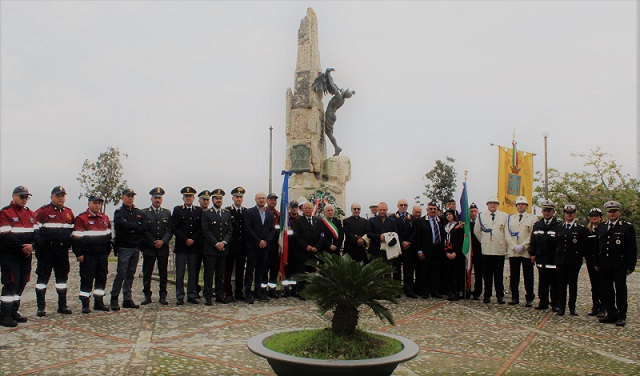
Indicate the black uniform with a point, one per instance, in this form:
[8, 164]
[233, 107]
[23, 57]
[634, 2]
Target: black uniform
[52, 252]
[409, 258]
[159, 228]
[543, 246]
[594, 275]
[476, 259]
[237, 257]
[570, 249]
[616, 257]
[186, 223]
[215, 228]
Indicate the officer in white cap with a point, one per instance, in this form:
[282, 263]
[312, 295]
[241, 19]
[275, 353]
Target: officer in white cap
[616, 259]
[494, 247]
[542, 250]
[595, 218]
[518, 236]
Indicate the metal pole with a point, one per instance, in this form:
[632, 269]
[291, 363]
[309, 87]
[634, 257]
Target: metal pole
[270, 159]
[546, 175]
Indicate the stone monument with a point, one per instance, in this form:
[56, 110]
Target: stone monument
[306, 148]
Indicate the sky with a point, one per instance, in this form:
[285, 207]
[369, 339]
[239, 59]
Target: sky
[188, 90]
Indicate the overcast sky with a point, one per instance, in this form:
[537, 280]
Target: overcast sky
[189, 89]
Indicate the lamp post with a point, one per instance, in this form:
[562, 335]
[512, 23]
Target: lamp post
[545, 134]
[270, 159]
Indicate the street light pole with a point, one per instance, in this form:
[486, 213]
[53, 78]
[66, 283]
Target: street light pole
[546, 175]
[270, 159]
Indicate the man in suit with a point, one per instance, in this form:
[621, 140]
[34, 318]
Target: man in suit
[377, 227]
[259, 230]
[408, 260]
[307, 242]
[186, 225]
[217, 231]
[355, 227]
[156, 246]
[616, 260]
[272, 266]
[429, 238]
[518, 236]
[237, 257]
[476, 252]
[494, 248]
[542, 250]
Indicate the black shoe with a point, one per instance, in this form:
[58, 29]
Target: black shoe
[222, 300]
[239, 296]
[555, 309]
[514, 302]
[542, 308]
[146, 301]
[180, 302]
[425, 296]
[64, 310]
[601, 313]
[114, 304]
[262, 298]
[19, 317]
[621, 322]
[163, 301]
[608, 319]
[130, 304]
[273, 294]
[302, 298]
[193, 301]
[486, 300]
[411, 295]
[450, 297]
[476, 297]
[208, 302]
[249, 299]
[437, 296]
[560, 312]
[500, 301]
[8, 321]
[86, 310]
[230, 299]
[529, 303]
[573, 312]
[41, 313]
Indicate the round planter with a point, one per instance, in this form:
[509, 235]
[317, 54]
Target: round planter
[283, 364]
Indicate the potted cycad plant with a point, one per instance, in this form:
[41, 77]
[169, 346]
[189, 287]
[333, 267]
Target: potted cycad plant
[340, 285]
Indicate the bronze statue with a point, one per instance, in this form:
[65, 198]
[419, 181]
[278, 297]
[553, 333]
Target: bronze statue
[324, 84]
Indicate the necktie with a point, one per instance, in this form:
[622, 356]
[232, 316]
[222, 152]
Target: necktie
[568, 227]
[493, 217]
[610, 226]
[520, 218]
[157, 211]
[436, 231]
[310, 223]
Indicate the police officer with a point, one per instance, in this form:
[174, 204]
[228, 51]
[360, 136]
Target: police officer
[186, 225]
[571, 247]
[237, 252]
[598, 308]
[518, 236]
[156, 246]
[217, 231]
[542, 250]
[616, 260]
[204, 200]
[91, 243]
[18, 233]
[52, 249]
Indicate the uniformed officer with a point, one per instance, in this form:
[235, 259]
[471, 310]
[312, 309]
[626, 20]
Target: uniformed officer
[237, 257]
[91, 243]
[204, 200]
[131, 227]
[19, 231]
[616, 260]
[52, 249]
[272, 266]
[186, 225]
[518, 236]
[542, 251]
[598, 308]
[494, 247]
[156, 246]
[217, 231]
[571, 247]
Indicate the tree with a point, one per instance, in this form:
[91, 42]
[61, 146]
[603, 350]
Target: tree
[602, 181]
[103, 178]
[324, 197]
[441, 182]
[342, 285]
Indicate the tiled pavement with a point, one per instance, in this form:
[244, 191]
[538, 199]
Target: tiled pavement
[464, 337]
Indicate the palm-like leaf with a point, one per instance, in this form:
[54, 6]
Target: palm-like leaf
[342, 283]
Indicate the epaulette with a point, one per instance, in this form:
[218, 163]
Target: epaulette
[120, 208]
[44, 206]
[209, 210]
[224, 210]
[6, 207]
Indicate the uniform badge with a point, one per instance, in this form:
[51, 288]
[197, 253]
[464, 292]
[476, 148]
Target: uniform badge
[618, 241]
[16, 219]
[575, 241]
[91, 222]
[32, 220]
[52, 216]
[106, 224]
[68, 216]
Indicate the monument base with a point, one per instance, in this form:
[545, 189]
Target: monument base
[336, 174]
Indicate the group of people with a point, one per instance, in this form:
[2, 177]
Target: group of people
[426, 251]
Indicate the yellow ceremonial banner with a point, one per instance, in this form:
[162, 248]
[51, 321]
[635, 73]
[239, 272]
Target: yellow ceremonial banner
[515, 178]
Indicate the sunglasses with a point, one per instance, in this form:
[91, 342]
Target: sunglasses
[24, 197]
[608, 211]
[356, 209]
[403, 205]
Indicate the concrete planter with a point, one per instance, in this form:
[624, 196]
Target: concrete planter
[283, 364]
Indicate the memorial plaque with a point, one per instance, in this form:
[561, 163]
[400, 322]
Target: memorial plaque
[300, 158]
